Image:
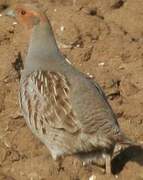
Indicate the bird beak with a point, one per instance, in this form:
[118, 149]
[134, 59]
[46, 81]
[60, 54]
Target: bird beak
[9, 12]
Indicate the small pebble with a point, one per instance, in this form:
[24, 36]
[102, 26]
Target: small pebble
[93, 177]
[7, 143]
[62, 28]
[55, 10]
[90, 75]
[78, 45]
[101, 64]
[14, 23]
[121, 67]
[0, 15]
[116, 176]
[84, 163]
[64, 46]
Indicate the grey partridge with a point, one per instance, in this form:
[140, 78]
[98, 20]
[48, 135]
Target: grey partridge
[65, 109]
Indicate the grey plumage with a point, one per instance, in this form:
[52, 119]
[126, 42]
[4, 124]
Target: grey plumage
[65, 109]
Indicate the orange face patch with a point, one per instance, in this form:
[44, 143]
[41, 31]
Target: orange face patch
[29, 17]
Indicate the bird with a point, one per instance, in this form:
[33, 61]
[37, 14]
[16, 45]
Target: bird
[62, 106]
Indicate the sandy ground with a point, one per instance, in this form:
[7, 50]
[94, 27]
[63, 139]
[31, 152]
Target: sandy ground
[103, 38]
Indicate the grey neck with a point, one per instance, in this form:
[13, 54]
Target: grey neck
[42, 47]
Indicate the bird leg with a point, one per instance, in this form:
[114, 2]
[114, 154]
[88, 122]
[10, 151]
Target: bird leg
[108, 163]
[59, 161]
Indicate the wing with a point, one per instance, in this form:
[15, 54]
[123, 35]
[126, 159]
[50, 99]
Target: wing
[71, 105]
[47, 95]
[101, 92]
[93, 110]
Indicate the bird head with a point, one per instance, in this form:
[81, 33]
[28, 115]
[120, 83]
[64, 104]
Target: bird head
[27, 15]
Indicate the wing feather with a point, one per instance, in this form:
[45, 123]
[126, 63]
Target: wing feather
[52, 93]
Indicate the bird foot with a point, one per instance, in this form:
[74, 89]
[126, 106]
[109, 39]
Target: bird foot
[58, 164]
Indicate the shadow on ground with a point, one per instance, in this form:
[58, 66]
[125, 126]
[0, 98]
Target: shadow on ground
[132, 153]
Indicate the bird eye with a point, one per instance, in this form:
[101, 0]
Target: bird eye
[23, 12]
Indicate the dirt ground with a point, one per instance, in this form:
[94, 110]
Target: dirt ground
[100, 37]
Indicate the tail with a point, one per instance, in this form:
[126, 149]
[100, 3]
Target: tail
[122, 142]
